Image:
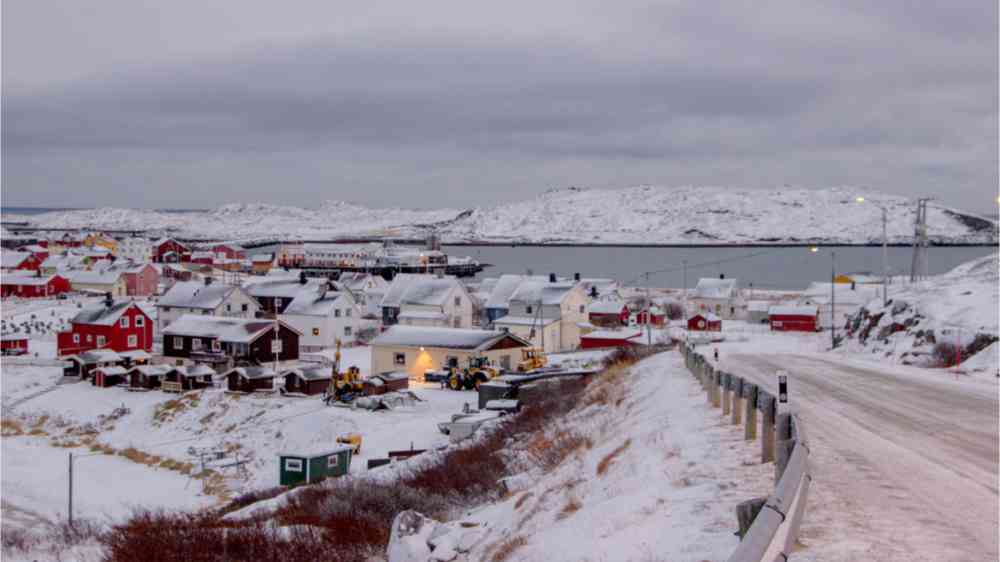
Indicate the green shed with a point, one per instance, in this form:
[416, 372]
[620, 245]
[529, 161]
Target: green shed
[295, 468]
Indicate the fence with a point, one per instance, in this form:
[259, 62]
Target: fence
[775, 526]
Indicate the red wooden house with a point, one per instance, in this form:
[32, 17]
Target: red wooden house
[228, 251]
[13, 344]
[19, 261]
[36, 250]
[785, 318]
[706, 322]
[654, 316]
[33, 286]
[168, 250]
[611, 338]
[121, 326]
[141, 280]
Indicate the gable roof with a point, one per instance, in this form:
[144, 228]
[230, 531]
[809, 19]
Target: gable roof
[196, 294]
[13, 259]
[315, 373]
[451, 338]
[101, 315]
[310, 303]
[606, 307]
[505, 287]
[282, 288]
[793, 310]
[400, 283]
[106, 277]
[232, 330]
[252, 372]
[430, 292]
[712, 288]
[27, 279]
[544, 291]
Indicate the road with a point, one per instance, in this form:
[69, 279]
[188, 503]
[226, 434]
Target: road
[905, 460]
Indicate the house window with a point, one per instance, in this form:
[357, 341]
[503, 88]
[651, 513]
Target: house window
[505, 362]
[456, 322]
[133, 341]
[100, 341]
[332, 461]
[277, 303]
[123, 322]
[583, 309]
[216, 346]
[529, 310]
[76, 338]
[336, 313]
[347, 312]
[505, 329]
[166, 309]
[229, 308]
[399, 358]
[293, 465]
[347, 330]
[246, 307]
[458, 301]
[178, 343]
[90, 338]
[315, 331]
[195, 344]
[451, 361]
[140, 321]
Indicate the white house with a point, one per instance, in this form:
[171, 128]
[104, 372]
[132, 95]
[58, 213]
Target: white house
[719, 296]
[368, 291]
[441, 302]
[323, 316]
[136, 249]
[546, 313]
[205, 298]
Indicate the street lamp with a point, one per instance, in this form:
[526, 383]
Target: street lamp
[885, 253]
[833, 297]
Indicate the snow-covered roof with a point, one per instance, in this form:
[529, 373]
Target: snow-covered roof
[33, 248]
[313, 303]
[710, 316]
[196, 370]
[113, 370]
[317, 373]
[10, 259]
[64, 261]
[504, 288]
[311, 454]
[94, 277]
[400, 283]
[452, 338]
[360, 281]
[534, 291]
[98, 356]
[136, 355]
[101, 315]
[793, 310]
[27, 279]
[510, 320]
[252, 372]
[712, 288]
[13, 337]
[152, 370]
[433, 291]
[422, 315]
[283, 288]
[196, 294]
[759, 306]
[234, 330]
[606, 307]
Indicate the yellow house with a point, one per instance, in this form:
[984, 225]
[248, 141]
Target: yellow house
[110, 244]
[98, 282]
[858, 279]
[417, 349]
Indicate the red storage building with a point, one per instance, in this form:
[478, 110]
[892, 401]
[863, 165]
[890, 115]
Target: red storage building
[610, 338]
[168, 250]
[13, 344]
[797, 318]
[33, 286]
[706, 322]
[608, 313]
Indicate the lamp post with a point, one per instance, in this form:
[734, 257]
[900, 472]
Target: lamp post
[885, 253]
[833, 296]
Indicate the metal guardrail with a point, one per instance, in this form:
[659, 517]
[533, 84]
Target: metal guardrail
[775, 528]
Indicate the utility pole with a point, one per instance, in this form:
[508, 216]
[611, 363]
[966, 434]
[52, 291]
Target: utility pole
[918, 267]
[649, 314]
[885, 259]
[70, 507]
[833, 301]
[684, 264]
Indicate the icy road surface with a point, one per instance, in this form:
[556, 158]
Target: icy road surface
[904, 459]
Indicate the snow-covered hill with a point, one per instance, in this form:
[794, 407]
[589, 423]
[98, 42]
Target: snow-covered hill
[651, 215]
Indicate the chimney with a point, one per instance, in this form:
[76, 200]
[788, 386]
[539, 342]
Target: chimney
[722, 276]
[576, 277]
[108, 300]
[208, 280]
[552, 278]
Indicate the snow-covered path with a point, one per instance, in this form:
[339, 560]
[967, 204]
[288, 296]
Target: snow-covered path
[905, 460]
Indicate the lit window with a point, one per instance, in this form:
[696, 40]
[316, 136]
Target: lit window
[90, 338]
[399, 359]
[315, 331]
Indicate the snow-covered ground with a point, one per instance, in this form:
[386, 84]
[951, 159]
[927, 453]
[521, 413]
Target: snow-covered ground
[703, 215]
[659, 481]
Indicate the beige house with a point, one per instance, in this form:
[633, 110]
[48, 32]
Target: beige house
[98, 282]
[441, 302]
[546, 313]
[417, 350]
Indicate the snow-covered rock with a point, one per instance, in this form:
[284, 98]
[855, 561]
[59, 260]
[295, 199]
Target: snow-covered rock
[408, 540]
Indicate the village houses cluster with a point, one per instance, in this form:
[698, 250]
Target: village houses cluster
[176, 315]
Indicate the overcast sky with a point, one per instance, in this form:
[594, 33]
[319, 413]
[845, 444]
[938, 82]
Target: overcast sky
[186, 103]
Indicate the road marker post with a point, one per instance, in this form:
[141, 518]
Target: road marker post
[751, 411]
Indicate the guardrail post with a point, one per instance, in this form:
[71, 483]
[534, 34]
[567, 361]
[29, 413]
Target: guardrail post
[783, 444]
[737, 400]
[727, 381]
[716, 381]
[706, 383]
[767, 430]
[746, 512]
[751, 410]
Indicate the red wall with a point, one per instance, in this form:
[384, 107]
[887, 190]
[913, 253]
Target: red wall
[792, 323]
[171, 246]
[54, 287]
[142, 284]
[14, 344]
[710, 326]
[116, 337]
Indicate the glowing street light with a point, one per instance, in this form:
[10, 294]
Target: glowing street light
[814, 249]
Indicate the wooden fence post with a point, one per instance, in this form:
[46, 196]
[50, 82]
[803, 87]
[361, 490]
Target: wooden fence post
[751, 410]
[737, 400]
[767, 429]
[727, 381]
[716, 381]
[783, 444]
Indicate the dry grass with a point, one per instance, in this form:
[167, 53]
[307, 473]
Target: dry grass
[549, 450]
[520, 501]
[572, 506]
[505, 549]
[102, 448]
[10, 427]
[607, 461]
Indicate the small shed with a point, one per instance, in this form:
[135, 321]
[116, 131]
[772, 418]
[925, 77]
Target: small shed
[302, 468]
[608, 338]
[81, 365]
[308, 380]
[13, 344]
[135, 357]
[105, 377]
[182, 379]
[797, 318]
[706, 322]
[147, 376]
[249, 379]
